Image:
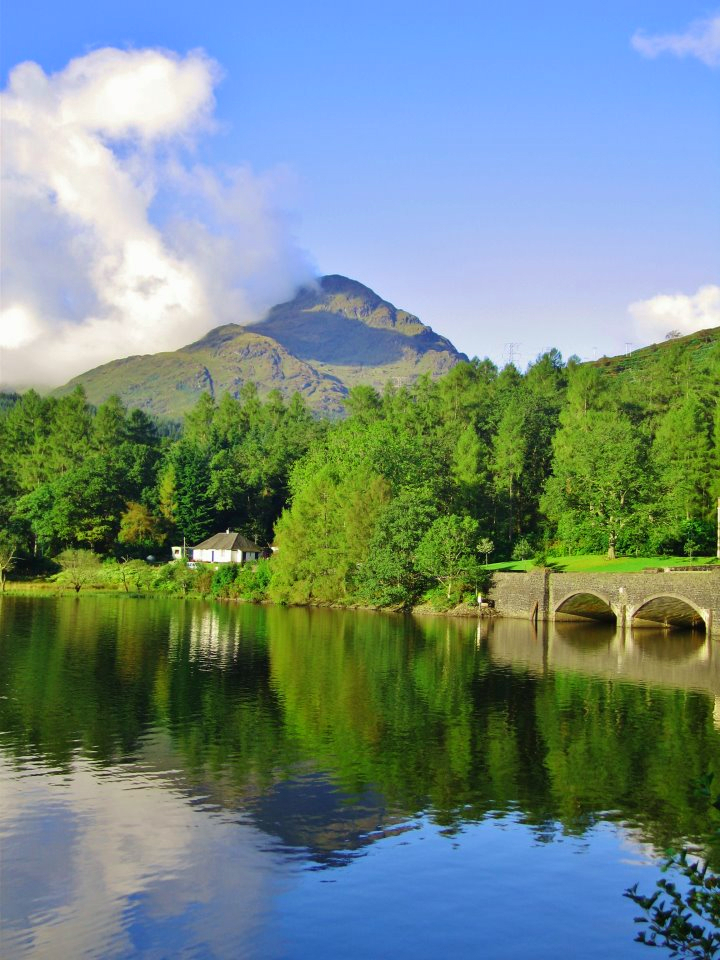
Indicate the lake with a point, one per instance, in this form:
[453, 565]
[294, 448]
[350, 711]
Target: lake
[182, 778]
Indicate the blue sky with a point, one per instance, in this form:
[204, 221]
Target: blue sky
[511, 173]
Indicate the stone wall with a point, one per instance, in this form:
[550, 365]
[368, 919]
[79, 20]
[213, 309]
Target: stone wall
[522, 594]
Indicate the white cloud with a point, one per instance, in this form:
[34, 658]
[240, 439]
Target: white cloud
[18, 327]
[89, 273]
[700, 40]
[656, 317]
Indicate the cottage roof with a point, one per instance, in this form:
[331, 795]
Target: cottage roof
[228, 541]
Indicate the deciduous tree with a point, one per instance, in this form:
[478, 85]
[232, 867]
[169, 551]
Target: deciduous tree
[79, 567]
[448, 551]
[599, 481]
[8, 548]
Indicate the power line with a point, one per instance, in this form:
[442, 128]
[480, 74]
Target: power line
[512, 350]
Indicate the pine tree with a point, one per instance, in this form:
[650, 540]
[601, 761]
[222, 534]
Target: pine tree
[193, 513]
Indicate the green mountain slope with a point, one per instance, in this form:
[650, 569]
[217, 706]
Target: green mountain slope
[328, 338]
[692, 349]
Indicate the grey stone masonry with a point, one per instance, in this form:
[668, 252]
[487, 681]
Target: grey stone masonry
[521, 595]
[658, 597]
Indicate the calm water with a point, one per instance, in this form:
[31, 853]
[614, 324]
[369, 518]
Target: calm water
[189, 779]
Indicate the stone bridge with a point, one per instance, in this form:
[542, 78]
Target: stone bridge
[666, 598]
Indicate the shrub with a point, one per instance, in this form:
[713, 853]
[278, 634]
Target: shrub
[202, 583]
[438, 598]
[175, 577]
[135, 575]
[223, 580]
[252, 581]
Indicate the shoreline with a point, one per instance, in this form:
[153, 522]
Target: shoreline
[681, 597]
[54, 591]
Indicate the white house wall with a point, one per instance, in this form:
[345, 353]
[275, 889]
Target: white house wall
[222, 556]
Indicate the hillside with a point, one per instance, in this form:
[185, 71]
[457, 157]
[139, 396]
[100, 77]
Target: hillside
[691, 349]
[325, 340]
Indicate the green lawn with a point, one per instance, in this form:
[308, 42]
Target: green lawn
[592, 563]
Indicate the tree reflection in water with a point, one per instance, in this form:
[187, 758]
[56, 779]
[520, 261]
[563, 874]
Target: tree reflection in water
[325, 726]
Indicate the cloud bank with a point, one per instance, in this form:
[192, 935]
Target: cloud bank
[700, 40]
[656, 317]
[101, 258]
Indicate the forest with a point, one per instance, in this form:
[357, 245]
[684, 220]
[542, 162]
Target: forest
[408, 496]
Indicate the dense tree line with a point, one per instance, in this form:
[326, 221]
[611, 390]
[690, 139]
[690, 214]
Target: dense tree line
[107, 480]
[563, 459]
[412, 490]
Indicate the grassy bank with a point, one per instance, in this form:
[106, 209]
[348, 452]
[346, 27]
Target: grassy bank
[592, 563]
[48, 588]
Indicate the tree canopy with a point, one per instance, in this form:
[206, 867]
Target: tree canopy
[398, 495]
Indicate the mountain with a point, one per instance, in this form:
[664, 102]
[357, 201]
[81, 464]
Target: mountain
[331, 336]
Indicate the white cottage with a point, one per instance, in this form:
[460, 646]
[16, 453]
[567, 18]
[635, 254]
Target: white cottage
[228, 547]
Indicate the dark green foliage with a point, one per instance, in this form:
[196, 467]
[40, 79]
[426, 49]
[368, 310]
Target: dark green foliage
[686, 921]
[684, 918]
[522, 445]
[8, 400]
[193, 513]
[563, 458]
[70, 473]
[105, 479]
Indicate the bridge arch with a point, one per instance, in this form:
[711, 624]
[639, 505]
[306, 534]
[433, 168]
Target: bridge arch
[668, 610]
[585, 605]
